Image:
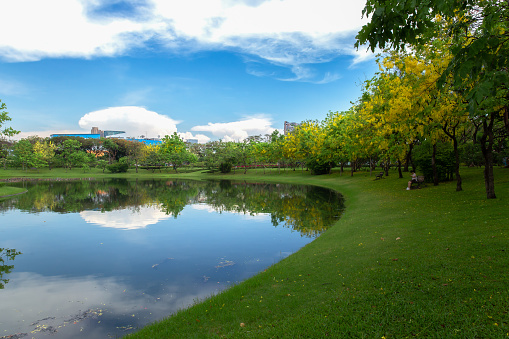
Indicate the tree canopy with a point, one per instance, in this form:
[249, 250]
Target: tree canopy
[4, 117]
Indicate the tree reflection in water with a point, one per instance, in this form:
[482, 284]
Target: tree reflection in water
[7, 255]
[307, 209]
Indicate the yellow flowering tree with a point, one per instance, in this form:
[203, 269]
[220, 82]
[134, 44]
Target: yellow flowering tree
[45, 151]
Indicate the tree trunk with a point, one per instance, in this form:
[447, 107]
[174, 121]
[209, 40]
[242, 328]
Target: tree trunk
[452, 135]
[399, 170]
[457, 165]
[434, 165]
[408, 157]
[487, 141]
[506, 114]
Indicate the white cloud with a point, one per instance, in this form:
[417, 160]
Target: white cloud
[288, 33]
[238, 130]
[54, 28]
[362, 55]
[135, 121]
[202, 139]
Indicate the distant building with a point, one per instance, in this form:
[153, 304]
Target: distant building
[85, 136]
[289, 126]
[105, 134]
[95, 133]
[149, 142]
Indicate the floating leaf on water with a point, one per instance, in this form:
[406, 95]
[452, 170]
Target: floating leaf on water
[225, 264]
[155, 266]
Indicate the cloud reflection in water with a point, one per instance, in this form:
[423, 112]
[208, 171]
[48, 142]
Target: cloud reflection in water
[126, 219]
[37, 304]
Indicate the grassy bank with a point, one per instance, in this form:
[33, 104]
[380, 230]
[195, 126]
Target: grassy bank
[421, 263]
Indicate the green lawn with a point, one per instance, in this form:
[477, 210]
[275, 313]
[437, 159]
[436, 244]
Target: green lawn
[423, 263]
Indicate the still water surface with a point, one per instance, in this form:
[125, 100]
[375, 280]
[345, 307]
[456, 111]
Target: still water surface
[103, 258]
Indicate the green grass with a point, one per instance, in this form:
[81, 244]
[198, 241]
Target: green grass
[423, 263]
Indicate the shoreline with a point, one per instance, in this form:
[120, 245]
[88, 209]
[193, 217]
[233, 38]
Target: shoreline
[12, 195]
[21, 179]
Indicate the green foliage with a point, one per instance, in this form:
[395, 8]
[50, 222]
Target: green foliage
[102, 164]
[218, 154]
[116, 148]
[318, 168]
[71, 154]
[4, 116]
[6, 255]
[23, 155]
[174, 151]
[444, 161]
[225, 167]
[471, 154]
[153, 160]
[118, 167]
[124, 160]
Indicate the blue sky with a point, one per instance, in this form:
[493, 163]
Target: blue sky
[208, 69]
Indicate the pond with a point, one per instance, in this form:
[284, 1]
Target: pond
[102, 258]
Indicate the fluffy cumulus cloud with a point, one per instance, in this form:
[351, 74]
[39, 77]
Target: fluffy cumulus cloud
[135, 121]
[289, 33]
[238, 130]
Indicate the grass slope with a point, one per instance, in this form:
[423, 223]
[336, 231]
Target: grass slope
[423, 263]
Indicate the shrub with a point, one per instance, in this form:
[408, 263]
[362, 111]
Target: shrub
[225, 167]
[319, 167]
[118, 167]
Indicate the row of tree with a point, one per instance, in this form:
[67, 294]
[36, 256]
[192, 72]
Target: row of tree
[117, 155]
[454, 56]
[365, 136]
